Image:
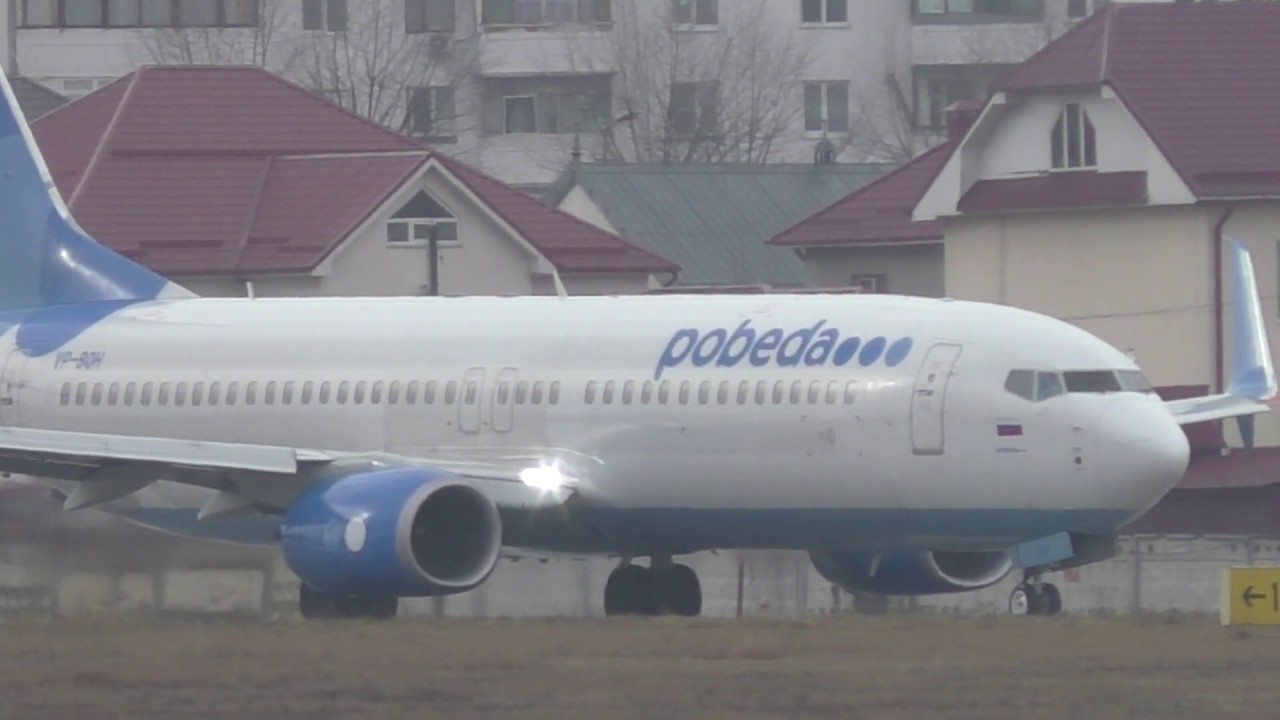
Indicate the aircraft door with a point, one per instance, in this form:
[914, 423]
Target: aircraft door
[928, 400]
[469, 404]
[10, 387]
[504, 390]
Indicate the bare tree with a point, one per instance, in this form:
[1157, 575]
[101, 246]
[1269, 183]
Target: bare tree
[403, 80]
[262, 44]
[722, 92]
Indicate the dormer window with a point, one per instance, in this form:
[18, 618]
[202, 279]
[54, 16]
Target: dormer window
[413, 224]
[1074, 142]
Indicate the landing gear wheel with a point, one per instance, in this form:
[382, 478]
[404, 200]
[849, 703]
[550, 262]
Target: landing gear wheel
[631, 590]
[1050, 599]
[315, 605]
[680, 591]
[1025, 600]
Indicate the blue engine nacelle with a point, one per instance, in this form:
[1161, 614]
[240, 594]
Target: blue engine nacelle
[912, 573]
[402, 531]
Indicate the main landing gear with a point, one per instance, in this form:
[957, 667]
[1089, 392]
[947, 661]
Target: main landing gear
[316, 605]
[1034, 597]
[663, 588]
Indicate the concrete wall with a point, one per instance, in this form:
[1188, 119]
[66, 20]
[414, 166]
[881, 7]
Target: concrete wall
[910, 269]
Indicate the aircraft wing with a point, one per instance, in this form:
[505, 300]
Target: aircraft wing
[107, 467]
[1252, 380]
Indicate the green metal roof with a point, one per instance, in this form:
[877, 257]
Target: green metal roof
[713, 220]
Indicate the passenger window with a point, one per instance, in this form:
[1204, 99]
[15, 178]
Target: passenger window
[251, 392]
[779, 389]
[308, 388]
[411, 392]
[429, 394]
[214, 389]
[162, 397]
[522, 392]
[815, 390]
[646, 392]
[686, 389]
[833, 392]
[722, 395]
[554, 396]
[608, 392]
[147, 389]
[130, 392]
[359, 394]
[797, 392]
[393, 392]
[744, 392]
[180, 394]
[233, 392]
[537, 393]
[113, 394]
[97, 394]
[286, 397]
[1048, 384]
[664, 392]
[326, 388]
[850, 392]
[451, 392]
[197, 394]
[375, 395]
[1021, 383]
[344, 391]
[65, 398]
[762, 392]
[704, 392]
[269, 395]
[590, 396]
[504, 392]
[628, 392]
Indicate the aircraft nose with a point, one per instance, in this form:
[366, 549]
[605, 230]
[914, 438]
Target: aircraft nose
[1143, 452]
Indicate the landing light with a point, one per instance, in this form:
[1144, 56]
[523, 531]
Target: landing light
[547, 478]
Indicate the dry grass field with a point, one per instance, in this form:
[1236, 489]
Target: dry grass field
[863, 668]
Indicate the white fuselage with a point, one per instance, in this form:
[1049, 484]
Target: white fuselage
[708, 442]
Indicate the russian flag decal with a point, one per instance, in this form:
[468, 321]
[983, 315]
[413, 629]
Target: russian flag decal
[1009, 429]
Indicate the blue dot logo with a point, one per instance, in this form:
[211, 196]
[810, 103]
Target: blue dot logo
[897, 352]
[846, 350]
[872, 351]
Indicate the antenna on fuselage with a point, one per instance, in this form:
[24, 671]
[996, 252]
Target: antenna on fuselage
[560, 291]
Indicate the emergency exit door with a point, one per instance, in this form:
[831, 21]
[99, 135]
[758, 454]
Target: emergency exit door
[929, 399]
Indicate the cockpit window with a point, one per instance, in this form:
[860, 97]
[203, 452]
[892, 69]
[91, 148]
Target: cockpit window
[1091, 381]
[1134, 381]
[1048, 384]
[1021, 383]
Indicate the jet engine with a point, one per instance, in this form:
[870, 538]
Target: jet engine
[912, 573]
[401, 531]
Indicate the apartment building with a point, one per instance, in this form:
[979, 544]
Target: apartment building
[514, 86]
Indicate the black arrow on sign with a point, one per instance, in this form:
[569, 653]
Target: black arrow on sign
[1249, 596]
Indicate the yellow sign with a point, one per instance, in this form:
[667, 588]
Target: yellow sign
[1251, 596]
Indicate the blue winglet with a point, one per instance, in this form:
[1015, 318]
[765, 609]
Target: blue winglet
[48, 259]
[1252, 375]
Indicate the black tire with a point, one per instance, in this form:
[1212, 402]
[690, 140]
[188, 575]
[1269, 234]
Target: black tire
[1024, 600]
[680, 591]
[630, 590]
[1051, 599]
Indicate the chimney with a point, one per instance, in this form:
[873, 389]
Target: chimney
[960, 117]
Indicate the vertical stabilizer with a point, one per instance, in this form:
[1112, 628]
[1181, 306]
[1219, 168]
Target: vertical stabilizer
[46, 259]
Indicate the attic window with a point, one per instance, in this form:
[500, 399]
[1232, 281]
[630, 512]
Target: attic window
[413, 224]
[1074, 142]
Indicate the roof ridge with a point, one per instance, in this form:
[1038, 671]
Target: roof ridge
[1104, 67]
[107, 134]
[409, 142]
[252, 216]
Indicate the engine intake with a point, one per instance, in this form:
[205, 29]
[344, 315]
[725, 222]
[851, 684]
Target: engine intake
[402, 531]
[912, 573]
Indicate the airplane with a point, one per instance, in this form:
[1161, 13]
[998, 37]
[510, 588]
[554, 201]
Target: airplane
[400, 447]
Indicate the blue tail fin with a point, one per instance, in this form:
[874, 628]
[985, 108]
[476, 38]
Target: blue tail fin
[46, 259]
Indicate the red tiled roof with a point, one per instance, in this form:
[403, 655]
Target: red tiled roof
[1201, 78]
[217, 170]
[879, 212]
[1056, 191]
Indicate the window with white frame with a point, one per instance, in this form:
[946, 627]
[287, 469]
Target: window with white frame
[870, 282]
[695, 13]
[826, 106]
[694, 110]
[330, 15]
[138, 13]
[822, 12]
[1074, 142]
[540, 13]
[431, 113]
[414, 223]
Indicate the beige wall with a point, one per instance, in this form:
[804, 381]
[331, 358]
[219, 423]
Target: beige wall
[488, 260]
[915, 269]
[1141, 279]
